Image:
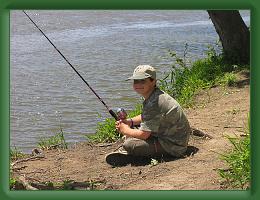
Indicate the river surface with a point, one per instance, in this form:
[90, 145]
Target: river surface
[104, 46]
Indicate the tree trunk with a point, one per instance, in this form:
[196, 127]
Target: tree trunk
[233, 33]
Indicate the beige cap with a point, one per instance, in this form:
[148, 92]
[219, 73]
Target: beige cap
[143, 72]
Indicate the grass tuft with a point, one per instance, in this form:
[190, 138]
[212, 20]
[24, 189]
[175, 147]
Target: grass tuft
[238, 160]
[56, 141]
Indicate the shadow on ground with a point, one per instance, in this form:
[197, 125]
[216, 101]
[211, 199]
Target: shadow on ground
[142, 161]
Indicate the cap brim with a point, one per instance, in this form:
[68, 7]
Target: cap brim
[138, 77]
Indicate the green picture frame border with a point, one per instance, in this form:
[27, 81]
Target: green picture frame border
[7, 5]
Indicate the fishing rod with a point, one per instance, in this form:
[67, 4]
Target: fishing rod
[112, 113]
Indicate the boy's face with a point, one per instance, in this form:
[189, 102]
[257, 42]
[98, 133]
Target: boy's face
[144, 87]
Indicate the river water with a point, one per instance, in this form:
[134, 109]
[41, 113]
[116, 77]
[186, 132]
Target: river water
[104, 46]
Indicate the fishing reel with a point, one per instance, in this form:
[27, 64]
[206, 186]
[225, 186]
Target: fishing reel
[121, 113]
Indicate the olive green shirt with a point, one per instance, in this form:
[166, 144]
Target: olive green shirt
[164, 117]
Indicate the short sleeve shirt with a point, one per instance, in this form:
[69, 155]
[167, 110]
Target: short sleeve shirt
[164, 117]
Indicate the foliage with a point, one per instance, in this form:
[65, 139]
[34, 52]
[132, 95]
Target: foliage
[64, 185]
[106, 131]
[238, 160]
[12, 183]
[87, 185]
[16, 154]
[56, 141]
[184, 81]
[136, 111]
[229, 79]
[154, 162]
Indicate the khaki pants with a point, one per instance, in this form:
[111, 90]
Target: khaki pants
[148, 147]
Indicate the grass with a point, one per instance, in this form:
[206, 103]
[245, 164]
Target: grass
[16, 154]
[56, 141]
[183, 80]
[238, 160]
[105, 132]
[64, 185]
[229, 79]
[12, 183]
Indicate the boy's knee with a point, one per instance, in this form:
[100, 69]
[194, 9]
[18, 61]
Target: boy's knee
[129, 146]
[137, 147]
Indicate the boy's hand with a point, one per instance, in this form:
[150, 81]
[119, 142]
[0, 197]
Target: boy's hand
[121, 126]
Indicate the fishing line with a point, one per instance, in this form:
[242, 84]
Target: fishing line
[99, 98]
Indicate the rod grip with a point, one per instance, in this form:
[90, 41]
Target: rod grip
[113, 114]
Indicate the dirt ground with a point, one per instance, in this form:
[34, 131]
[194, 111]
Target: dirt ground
[218, 112]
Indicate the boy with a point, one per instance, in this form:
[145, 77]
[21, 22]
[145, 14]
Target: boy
[164, 128]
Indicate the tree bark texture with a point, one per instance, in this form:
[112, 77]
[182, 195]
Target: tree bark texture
[233, 33]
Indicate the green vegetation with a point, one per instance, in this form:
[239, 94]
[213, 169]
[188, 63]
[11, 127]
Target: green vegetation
[153, 162]
[229, 79]
[184, 81]
[105, 132]
[56, 141]
[238, 160]
[16, 154]
[12, 183]
[65, 185]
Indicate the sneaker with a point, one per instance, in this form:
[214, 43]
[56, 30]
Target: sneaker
[118, 158]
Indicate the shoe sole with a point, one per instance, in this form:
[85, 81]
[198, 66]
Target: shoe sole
[118, 159]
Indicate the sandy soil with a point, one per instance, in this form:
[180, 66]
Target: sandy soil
[218, 112]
